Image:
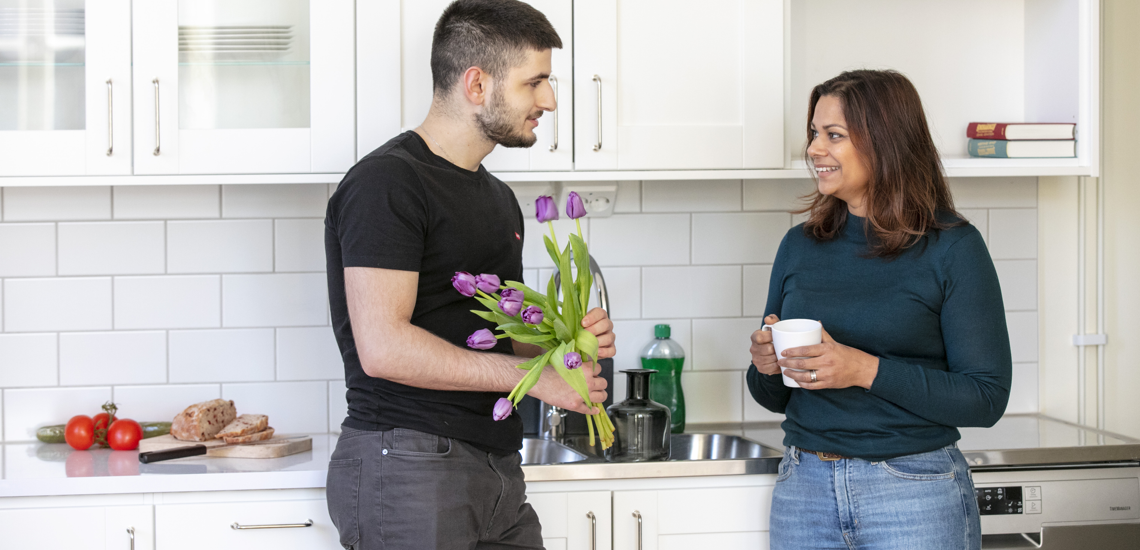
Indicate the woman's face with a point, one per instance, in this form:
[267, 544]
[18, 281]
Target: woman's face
[840, 168]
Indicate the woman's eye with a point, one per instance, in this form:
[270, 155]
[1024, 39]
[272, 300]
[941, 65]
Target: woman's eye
[814, 134]
[834, 135]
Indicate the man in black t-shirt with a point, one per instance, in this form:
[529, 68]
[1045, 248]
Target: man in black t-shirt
[420, 462]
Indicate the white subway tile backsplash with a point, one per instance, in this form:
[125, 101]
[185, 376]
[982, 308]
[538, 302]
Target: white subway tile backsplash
[782, 195]
[164, 302]
[534, 247]
[1022, 335]
[722, 344]
[166, 202]
[753, 411]
[338, 405]
[1023, 395]
[43, 305]
[112, 248]
[275, 201]
[628, 198]
[27, 249]
[292, 407]
[690, 196]
[87, 359]
[530, 279]
[226, 355]
[28, 360]
[308, 353]
[756, 281]
[25, 204]
[641, 239]
[994, 192]
[278, 300]
[1018, 279]
[623, 288]
[980, 219]
[223, 246]
[746, 238]
[1013, 234]
[713, 396]
[299, 245]
[162, 403]
[686, 292]
[28, 409]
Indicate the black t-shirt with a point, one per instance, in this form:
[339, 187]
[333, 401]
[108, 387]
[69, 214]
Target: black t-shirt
[403, 207]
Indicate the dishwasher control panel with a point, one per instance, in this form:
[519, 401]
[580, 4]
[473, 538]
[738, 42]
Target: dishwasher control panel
[993, 501]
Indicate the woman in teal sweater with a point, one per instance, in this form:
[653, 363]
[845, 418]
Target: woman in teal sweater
[915, 343]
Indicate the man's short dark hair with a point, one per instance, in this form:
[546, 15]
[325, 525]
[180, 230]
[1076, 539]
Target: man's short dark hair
[493, 35]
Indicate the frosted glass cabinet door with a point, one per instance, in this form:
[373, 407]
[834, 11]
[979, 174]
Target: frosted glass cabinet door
[395, 84]
[677, 84]
[243, 86]
[65, 93]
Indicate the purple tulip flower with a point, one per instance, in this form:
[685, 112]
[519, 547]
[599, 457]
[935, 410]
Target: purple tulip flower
[546, 211]
[574, 207]
[532, 315]
[572, 360]
[487, 283]
[464, 282]
[512, 301]
[502, 409]
[482, 339]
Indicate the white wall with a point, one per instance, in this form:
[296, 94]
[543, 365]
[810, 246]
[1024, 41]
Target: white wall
[159, 297]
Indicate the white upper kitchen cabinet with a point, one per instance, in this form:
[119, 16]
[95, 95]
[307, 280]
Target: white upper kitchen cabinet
[243, 86]
[65, 94]
[676, 84]
[394, 83]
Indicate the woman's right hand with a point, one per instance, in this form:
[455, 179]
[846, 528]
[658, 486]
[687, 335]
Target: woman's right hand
[763, 352]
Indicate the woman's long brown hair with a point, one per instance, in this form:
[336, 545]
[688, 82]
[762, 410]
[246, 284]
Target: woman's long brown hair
[907, 190]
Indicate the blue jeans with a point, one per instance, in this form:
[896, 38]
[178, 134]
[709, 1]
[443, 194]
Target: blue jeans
[922, 501]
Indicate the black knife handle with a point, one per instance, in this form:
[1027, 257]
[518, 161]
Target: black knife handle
[170, 454]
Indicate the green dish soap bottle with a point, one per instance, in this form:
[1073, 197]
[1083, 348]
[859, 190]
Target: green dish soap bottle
[666, 357]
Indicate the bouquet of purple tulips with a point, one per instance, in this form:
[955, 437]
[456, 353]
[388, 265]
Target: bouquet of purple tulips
[530, 317]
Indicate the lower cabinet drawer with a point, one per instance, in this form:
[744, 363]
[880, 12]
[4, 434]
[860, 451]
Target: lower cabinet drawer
[277, 525]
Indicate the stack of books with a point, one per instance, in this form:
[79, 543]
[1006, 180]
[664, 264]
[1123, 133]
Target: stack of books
[1022, 140]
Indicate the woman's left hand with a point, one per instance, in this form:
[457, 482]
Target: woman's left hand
[835, 365]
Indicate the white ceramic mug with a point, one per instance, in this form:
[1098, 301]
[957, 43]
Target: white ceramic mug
[794, 333]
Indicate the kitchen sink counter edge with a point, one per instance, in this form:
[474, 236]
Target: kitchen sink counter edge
[37, 469]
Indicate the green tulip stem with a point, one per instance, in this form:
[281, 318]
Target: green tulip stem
[553, 237]
[579, 224]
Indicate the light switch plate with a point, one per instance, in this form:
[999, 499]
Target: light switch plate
[598, 197]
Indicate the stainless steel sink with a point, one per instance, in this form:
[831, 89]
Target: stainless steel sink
[545, 451]
[715, 447]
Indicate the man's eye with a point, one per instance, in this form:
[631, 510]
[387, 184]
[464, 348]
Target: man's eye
[534, 84]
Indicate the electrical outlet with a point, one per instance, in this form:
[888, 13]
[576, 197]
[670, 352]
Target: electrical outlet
[598, 197]
[528, 193]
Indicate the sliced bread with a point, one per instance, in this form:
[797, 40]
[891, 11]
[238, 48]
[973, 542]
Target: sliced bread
[202, 421]
[267, 433]
[244, 425]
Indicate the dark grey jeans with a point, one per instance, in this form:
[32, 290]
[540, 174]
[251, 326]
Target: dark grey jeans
[402, 489]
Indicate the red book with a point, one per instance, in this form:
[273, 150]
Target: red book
[1021, 130]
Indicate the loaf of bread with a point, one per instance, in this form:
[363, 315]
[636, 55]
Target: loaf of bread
[267, 433]
[203, 421]
[244, 425]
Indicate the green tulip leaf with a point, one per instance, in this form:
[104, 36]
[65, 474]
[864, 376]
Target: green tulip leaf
[551, 298]
[529, 295]
[562, 331]
[550, 248]
[587, 344]
[570, 315]
[582, 262]
[531, 338]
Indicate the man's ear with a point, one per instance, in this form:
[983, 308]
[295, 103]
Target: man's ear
[476, 86]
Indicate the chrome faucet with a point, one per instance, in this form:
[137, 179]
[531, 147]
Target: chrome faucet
[553, 419]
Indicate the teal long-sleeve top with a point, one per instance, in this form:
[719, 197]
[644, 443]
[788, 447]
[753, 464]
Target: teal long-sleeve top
[934, 318]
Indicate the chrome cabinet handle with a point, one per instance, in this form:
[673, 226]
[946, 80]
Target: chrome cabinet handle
[237, 526]
[554, 81]
[598, 145]
[110, 120]
[131, 530]
[637, 515]
[593, 530]
[157, 134]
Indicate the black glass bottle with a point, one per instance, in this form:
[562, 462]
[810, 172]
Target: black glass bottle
[641, 424]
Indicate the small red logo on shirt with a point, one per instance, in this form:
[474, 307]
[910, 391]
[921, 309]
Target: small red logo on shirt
[517, 236]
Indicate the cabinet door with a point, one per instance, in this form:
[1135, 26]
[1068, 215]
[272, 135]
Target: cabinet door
[78, 528]
[243, 86]
[65, 93]
[729, 518]
[674, 84]
[214, 526]
[395, 85]
[574, 521]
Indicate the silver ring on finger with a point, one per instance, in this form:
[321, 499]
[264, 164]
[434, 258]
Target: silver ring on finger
[814, 378]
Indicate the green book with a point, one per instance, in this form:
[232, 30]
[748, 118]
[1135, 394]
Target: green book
[998, 148]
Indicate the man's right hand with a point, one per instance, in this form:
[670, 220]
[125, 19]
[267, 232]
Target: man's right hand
[553, 390]
[763, 352]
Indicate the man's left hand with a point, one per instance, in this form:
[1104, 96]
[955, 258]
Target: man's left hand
[599, 324]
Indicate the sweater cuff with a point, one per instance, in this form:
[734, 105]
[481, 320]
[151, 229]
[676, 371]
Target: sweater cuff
[893, 380]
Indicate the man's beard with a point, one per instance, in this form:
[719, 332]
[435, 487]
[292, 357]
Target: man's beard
[498, 124]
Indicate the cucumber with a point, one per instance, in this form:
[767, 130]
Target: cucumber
[55, 434]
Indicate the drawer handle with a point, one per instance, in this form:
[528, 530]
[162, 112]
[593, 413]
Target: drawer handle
[637, 515]
[238, 526]
[593, 530]
[131, 532]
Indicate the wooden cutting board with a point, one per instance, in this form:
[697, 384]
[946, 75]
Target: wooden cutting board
[276, 447]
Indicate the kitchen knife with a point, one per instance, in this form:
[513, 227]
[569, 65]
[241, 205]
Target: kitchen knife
[170, 454]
